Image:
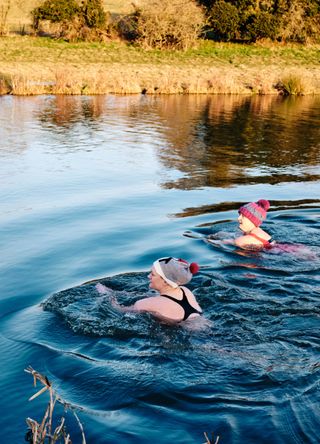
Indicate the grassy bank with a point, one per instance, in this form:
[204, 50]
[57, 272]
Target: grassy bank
[33, 65]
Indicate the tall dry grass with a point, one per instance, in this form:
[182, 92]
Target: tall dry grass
[157, 80]
[292, 85]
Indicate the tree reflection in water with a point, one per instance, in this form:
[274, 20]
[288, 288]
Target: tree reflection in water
[214, 141]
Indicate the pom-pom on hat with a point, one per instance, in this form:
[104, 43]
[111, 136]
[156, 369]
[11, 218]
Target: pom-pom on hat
[255, 211]
[175, 271]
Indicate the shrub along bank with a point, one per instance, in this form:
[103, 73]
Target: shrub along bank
[175, 24]
[252, 20]
[166, 23]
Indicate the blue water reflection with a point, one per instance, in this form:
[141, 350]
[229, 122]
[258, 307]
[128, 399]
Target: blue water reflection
[101, 186]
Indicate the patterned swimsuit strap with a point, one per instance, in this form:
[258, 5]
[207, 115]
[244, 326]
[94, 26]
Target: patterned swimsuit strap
[265, 242]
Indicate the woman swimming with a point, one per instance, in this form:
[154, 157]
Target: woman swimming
[250, 218]
[175, 302]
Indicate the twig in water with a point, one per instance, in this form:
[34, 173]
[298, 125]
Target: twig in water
[211, 441]
[42, 433]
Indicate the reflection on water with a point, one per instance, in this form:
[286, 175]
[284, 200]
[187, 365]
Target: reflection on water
[245, 141]
[215, 141]
[98, 188]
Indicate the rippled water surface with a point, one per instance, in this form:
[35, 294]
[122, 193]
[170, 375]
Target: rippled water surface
[95, 189]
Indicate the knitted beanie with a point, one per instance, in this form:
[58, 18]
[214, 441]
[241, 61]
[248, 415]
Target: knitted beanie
[175, 271]
[255, 211]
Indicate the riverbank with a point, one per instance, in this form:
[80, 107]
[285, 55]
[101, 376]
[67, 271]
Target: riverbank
[37, 65]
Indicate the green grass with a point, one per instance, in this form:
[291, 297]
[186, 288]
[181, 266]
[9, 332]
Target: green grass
[258, 53]
[34, 50]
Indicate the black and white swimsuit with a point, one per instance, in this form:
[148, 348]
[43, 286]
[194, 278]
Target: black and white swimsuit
[184, 303]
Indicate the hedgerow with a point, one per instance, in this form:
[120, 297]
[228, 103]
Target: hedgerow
[173, 24]
[251, 20]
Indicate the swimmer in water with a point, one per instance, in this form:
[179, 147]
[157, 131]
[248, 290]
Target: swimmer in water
[250, 218]
[254, 237]
[175, 302]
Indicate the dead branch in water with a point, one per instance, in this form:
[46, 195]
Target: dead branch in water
[211, 441]
[42, 433]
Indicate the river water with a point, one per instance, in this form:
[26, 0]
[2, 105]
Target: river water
[97, 188]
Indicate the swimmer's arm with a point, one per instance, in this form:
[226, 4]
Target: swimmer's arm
[142, 305]
[219, 235]
[241, 242]
[102, 289]
[215, 241]
[220, 238]
[146, 305]
[245, 242]
[228, 241]
[150, 305]
[124, 308]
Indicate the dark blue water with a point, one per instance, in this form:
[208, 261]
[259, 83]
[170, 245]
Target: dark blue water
[96, 189]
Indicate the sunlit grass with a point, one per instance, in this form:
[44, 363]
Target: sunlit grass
[38, 65]
[29, 49]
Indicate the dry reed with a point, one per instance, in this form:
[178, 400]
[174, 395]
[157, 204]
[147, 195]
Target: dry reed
[43, 432]
[292, 85]
[30, 77]
[211, 440]
[160, 80]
